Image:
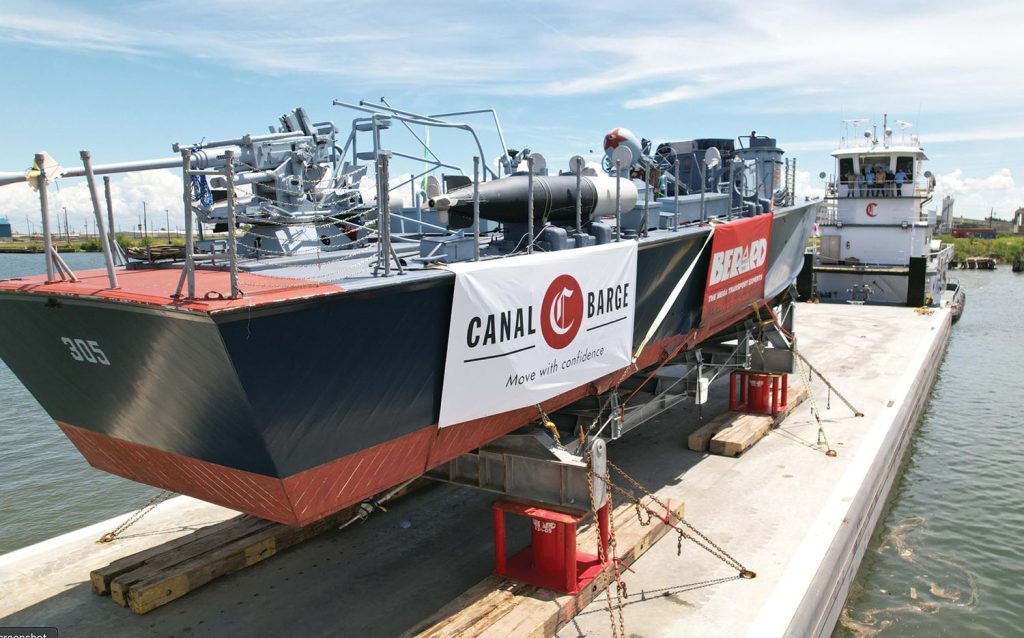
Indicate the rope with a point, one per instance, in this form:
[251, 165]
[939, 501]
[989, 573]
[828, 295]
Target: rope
[201, 191]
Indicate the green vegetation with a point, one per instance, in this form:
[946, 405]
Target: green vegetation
[87, 246]
[1003, 248]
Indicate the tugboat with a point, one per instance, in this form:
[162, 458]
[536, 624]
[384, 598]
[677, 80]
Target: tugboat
[876, 241]
[350, 327]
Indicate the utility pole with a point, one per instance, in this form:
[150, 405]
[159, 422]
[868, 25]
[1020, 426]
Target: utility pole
[167, 214]
[145, 221]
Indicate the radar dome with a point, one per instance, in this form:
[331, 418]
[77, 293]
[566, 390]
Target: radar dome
[622, 137]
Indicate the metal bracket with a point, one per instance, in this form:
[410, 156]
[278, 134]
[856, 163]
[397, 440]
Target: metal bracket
[533, 467]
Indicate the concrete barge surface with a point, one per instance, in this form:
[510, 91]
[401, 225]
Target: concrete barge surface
[798, 518]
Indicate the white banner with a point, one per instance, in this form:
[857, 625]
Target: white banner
[527, 328]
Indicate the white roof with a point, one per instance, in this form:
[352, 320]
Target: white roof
[878, 149]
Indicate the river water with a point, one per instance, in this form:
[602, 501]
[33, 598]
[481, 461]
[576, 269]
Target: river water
[947, 559]
[46, 487]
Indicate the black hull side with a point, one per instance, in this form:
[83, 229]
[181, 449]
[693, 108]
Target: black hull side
[339, 374]
[169, 383]
[342, 373]
[279, 389]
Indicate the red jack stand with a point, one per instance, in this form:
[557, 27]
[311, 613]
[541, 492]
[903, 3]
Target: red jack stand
[551, 561]
[758, 392]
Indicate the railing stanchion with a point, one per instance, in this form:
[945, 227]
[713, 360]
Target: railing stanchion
[578, 169]
[114, 246]
[476, 209]
[703, 168]
[101, 232]
[529, 204]
[618, 200]
[229, 174]
[675, 220]
[647, 198]
[190, 264]
[45, 208]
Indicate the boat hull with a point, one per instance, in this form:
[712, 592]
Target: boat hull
[293, 408]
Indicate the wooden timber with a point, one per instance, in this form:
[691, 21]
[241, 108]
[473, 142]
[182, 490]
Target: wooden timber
[745, 430]
[700, 438]
[497, 607]
[154, 577]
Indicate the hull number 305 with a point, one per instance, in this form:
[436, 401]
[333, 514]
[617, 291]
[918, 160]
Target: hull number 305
[85, 351]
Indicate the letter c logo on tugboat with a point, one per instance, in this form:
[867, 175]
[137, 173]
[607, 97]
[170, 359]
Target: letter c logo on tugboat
[870, 210]
[561, 313]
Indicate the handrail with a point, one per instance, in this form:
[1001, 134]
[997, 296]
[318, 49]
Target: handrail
[423, 121]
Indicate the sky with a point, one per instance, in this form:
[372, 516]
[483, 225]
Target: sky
[125, 80]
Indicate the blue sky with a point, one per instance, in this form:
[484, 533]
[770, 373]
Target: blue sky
[126, 79]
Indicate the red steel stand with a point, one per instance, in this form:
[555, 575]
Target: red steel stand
[551, 561]
[758, 392]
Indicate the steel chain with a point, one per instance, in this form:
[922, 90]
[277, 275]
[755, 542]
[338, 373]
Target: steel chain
[805, 379]
[618, 631]
[704, 543]
[136, 517]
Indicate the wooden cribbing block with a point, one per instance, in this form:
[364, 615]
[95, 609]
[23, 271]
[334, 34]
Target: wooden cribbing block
[497, 607]
[700, 438]
[747, 429]
[156, 576]
[744, 432]
[101, 578]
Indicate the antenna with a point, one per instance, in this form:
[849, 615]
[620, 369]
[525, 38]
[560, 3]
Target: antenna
[540, 164]
[624, 156]
[903, 129]
[712, 157]
[856, 122]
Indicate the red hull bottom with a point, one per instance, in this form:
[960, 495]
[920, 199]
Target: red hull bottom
[307, 496]
[320, 491]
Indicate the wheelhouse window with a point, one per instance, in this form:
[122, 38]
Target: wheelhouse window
[874, 163]
[845, 168]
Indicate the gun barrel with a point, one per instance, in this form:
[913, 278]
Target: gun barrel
[201, 159]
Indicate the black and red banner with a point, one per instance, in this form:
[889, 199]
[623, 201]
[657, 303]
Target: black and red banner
[739, 262]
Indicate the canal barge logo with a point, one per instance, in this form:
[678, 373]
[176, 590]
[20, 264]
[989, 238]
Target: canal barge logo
[561, 312]
[525, 330]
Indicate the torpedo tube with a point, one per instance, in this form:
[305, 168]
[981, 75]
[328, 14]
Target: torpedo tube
[554, 199]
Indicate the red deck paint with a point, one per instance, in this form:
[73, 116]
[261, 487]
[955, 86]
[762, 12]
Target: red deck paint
[154, 287]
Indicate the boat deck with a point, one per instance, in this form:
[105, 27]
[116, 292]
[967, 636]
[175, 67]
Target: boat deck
[262, 281]
[784, 509]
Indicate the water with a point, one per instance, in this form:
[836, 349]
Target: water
[948, 558]
[46, 487]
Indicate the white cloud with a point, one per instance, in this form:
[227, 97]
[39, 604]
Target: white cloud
[160, 190]
[976, 197]
[797, 55]
[815, 53]
[808, 186]
[65, 31]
